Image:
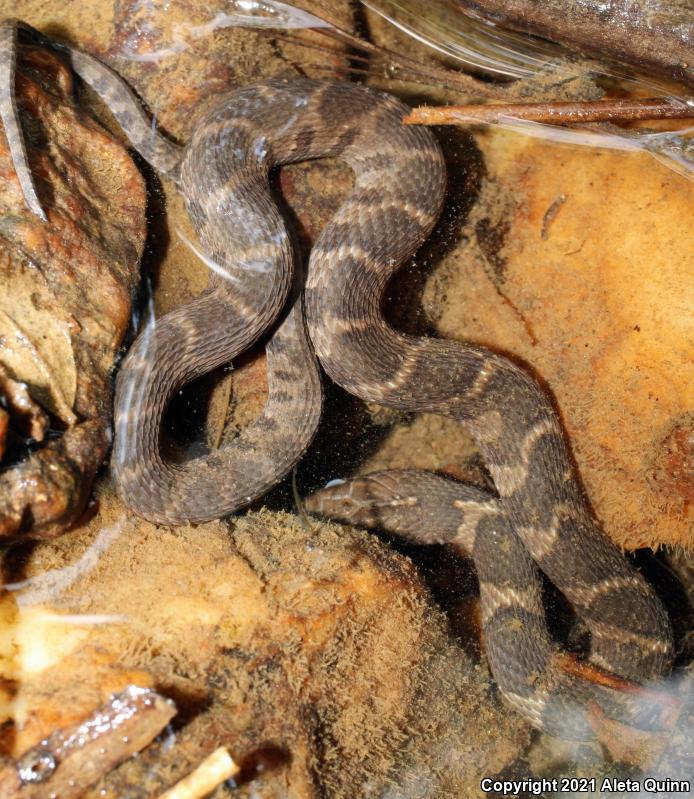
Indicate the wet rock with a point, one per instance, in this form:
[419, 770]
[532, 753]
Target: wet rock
[181, 56]
[67, 295]
[584, 226]
[23, 418]
[314, 654]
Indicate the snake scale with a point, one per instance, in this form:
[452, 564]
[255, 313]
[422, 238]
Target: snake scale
[539, 518]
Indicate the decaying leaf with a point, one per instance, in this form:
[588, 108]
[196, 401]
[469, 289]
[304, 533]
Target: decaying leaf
[65, 305]
[71, 759]
[21, 411]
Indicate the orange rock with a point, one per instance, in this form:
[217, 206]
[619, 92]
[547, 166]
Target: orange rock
[588, 283]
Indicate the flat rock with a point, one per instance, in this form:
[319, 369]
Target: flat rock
[314, 650]
[577, 260]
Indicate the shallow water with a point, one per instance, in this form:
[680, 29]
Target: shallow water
[336, 662]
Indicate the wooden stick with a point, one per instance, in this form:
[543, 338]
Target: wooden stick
[213, 771]
[66, 763]
[591, 673]
[559, 112]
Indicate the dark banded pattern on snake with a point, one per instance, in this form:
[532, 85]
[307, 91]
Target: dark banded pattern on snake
[427, 508]
[399, 189]
[250, 255]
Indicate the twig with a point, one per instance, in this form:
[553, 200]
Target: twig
[294, 39]
[213, 771]
[593, 674]
[556, 112]
[70, 760]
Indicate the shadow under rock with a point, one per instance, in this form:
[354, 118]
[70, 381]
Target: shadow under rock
[465, 171]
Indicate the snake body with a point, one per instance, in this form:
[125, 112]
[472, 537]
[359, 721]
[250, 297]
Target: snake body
[539, 518]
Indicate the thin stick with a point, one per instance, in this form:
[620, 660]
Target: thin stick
[213, 771]
[593, 674]
[559, 112]
[293, 38]
[342, 70]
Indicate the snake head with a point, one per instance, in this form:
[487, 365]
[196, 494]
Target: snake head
[355, 501]
[405, 503]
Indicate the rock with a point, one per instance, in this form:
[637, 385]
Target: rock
[181, 55]
[24, 417]
[575, 260]
[656, 38]
[315, 651]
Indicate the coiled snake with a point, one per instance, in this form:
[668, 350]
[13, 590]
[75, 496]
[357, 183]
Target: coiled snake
[540, 517]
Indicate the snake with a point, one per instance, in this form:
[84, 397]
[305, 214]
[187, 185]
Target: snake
[537, 520]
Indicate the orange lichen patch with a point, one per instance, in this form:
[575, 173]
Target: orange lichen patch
[597, 306]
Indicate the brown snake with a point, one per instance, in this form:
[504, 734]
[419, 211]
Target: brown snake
[540, 518]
